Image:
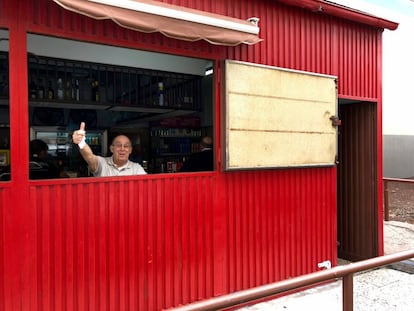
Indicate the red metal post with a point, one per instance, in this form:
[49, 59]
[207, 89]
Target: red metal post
[19, 217]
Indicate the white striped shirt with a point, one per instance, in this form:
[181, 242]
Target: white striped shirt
[107, 167]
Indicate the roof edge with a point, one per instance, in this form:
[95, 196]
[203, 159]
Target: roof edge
[337, 10]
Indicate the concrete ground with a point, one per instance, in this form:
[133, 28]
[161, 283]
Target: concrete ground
[385, 289]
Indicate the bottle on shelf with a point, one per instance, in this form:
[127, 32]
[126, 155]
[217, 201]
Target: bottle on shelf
[72, 89]
[75, 89]
[180, 164]
[95, 90]
[68, 90]
[4, 89]
[60, 92]
[40, 89]
[32, 89]
[160, 93]
[50, 92]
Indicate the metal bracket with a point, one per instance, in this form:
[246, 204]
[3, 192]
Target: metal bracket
[335, 121]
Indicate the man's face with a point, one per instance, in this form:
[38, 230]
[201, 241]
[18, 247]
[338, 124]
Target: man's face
[42, 154]
[121, 149]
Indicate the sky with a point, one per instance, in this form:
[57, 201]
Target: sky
[398, 62]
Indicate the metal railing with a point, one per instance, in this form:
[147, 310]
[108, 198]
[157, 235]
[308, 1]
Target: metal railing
[386, 194]
[345, 272]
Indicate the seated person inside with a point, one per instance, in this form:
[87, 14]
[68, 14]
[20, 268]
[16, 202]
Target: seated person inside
[200, 161]
[40, 165]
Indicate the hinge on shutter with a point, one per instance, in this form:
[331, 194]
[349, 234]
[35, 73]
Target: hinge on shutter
[335, 121]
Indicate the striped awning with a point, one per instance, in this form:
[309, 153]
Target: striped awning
[171, 20]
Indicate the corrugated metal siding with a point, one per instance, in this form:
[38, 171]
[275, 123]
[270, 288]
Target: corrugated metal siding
[150, 244]
[296, 39]
[331, 46]
[4, 203]
[293, 38]
[128, 245]
[358, 58]
[4, 10]
[276, 220]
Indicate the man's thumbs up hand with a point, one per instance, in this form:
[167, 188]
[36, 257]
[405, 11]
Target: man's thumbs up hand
[82, 127]
[78, 136]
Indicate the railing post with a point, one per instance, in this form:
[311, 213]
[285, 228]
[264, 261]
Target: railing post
[386, 203]
[348, 292]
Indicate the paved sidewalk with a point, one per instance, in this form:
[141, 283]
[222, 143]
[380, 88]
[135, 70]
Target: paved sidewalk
[398, 236]
[385, 289]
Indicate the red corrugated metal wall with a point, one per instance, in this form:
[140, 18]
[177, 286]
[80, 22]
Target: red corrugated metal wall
[280, 224]
[293, 38]
[144, 246]
[152, 242]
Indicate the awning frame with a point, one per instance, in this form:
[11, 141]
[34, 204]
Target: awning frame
[173, 21]
[184, 15]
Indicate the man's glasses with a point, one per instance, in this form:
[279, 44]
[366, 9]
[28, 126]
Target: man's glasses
[119, 146]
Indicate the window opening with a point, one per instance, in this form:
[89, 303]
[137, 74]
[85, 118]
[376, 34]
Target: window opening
[163, 113]
[4, 109]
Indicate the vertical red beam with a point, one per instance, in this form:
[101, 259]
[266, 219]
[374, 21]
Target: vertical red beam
[18, 98]
[220, 253]
[18, 240]
[380, 187]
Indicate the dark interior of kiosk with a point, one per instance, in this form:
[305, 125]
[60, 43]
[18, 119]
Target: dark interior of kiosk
[165, 114]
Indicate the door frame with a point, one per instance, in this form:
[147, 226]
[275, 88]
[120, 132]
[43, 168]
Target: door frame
[357, 181]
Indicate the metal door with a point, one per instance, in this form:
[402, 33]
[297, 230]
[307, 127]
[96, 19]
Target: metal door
[357, 182]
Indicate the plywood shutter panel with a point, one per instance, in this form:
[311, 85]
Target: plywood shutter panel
[276, 117]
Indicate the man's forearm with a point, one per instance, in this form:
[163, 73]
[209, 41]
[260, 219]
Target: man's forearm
[89, 157]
